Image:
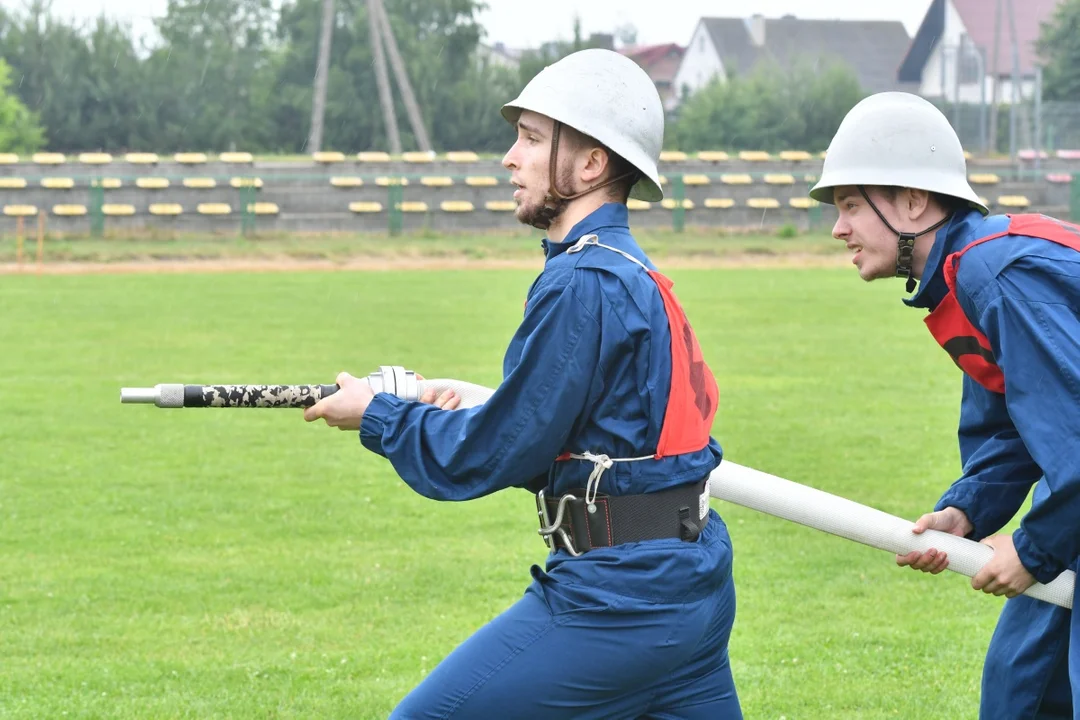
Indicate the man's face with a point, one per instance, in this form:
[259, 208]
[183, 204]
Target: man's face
[873, 244]
[529, 159]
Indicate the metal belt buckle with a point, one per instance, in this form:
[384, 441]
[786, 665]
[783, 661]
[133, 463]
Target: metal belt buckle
[548, 528]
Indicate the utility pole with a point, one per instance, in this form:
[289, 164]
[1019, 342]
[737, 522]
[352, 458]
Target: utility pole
[411, 108]
[382, 78]
[322, 71]
[1015, 82]
[994, 80]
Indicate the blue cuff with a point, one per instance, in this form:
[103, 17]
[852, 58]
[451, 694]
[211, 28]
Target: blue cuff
[962, 500]
[376, 418]
[1043, 567]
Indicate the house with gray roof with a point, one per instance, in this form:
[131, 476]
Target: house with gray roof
[952, 55]
[721, 47]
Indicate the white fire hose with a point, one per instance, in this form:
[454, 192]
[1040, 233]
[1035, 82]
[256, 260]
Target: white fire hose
[731, 482]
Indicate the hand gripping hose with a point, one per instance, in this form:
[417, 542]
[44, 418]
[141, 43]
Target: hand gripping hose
[734, 483]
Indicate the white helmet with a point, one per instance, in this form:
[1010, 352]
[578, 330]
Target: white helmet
[608, 97]
[899, 139]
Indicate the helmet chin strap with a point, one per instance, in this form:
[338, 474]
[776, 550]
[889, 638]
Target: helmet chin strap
[555, 202]
[905, 243]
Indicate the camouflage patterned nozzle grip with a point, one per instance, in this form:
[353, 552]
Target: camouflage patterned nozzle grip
[228, 396]
[392, 379]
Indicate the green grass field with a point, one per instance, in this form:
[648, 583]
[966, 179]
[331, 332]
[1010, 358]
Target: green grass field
[245, 564]
[501, 245]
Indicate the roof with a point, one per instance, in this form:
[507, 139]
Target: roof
[660, 62]
[873, 49]
[979, 19]
[649, 54]
[731, 38]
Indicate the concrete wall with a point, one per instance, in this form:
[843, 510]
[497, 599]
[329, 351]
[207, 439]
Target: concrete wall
[302, 198]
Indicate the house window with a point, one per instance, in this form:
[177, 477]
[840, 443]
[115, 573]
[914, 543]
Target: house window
[969, 66]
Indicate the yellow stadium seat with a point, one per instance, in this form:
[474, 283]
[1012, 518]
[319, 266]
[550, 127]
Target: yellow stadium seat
[713, 156]
[1014, 201]
[69, 210]
[241, 182]
[328, 157]
[117, 209]
[736, 179]
[236, 158]
[8, 159]
[462, 156]
[719, 203]
[263, 208]
[810, 178]
[213, 208]
[795, 156]
[500, 205]
[141, 158]
[984, 179]
[152, 183]
[481, 181]
[57, 183]
[803, 203]
[670, 204]
[165, 209]
[672, 156]
[754, 156]
[695, 179]
[365, 207]
[663, 179]
[107, 183]
[821, 154]
[635, 204]
[967, 155]
[200, 183]
[456, 206]
[779, 179]
[765, 203]
[413, 206]
[387, 181]
[95, 158]
[347, 182]
[438, 181]
[371, 156]
[48, 158]
[20, 210]
[12, 183]
[418, 157]
[190, 158]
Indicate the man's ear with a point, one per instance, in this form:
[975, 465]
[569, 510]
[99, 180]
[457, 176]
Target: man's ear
[596, 163]
[916, 203]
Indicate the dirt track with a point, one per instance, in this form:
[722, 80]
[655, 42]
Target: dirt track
[402, 263]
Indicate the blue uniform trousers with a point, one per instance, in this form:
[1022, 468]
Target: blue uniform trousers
[573, 650]
[1032, 670]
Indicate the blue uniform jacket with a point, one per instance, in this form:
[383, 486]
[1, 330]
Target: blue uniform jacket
[1024, 294]
[588, 369]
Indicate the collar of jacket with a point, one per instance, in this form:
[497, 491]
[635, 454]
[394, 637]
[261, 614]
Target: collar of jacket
[952, 236]
[608, 215]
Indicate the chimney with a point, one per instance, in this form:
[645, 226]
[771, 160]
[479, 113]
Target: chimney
[755, 25]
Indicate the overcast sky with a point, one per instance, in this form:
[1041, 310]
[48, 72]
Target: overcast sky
[519, 23]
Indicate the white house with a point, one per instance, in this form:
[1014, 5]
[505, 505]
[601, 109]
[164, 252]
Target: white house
[723, 46]
[952, 55]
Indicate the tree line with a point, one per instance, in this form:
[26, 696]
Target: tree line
[238, 75]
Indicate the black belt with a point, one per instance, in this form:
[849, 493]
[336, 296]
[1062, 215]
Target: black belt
[567, 522]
